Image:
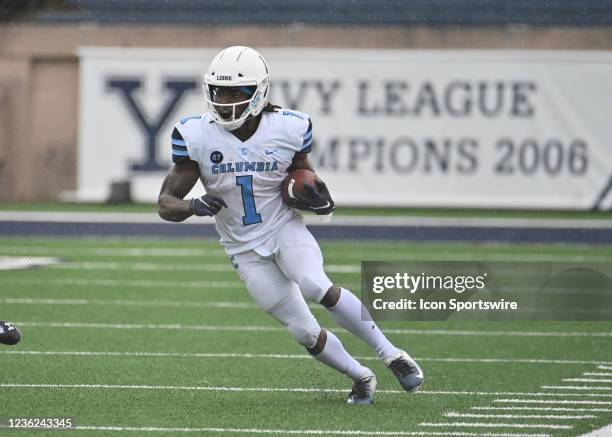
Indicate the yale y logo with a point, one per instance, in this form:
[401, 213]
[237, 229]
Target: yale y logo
[150, 128]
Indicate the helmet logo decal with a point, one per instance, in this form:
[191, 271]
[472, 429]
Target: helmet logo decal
[219, 77]
[255, 100]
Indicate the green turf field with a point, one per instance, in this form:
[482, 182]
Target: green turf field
[159, 336]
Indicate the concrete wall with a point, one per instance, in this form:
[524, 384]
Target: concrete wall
[39, 77]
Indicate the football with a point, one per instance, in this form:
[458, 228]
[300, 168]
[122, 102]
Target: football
[294, 184]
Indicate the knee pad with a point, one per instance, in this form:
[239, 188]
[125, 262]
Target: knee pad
[314, 288]
[305, 330]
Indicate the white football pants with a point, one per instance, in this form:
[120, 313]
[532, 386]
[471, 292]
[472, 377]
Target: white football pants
[274, 273]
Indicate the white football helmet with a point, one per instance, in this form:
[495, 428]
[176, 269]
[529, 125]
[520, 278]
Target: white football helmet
[237, 66]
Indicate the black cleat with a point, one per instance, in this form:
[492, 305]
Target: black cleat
[406, 370]
[9, 334]
[363, 391]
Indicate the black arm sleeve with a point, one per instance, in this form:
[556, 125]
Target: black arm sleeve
[307, 145]
[179, 148]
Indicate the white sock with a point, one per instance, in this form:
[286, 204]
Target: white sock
[347, 313]
[334, 355]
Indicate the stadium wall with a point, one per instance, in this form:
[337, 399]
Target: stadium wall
[39, 77]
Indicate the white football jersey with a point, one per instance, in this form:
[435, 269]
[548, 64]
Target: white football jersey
[246, 175]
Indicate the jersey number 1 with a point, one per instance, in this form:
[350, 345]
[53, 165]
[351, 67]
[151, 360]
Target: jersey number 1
[251, 216]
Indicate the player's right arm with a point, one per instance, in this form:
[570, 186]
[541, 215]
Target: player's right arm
[171, 203]
[180, 180]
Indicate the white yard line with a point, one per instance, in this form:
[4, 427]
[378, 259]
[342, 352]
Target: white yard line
[605, 367]
[606, 431]
[165, 354]
[532, 408]
[263, 356]
[114, 251]
[249, 389]
[26, 262]
[596, 374]
[294, 356]
[151, 326]
[278, 328]
[514, 360]
[164, 267]
[496, 425]
[188, 388]
[146, 267]
[301, 431]
[551, 401]
[91, 282]
[203, 285]
[586, 380]
[355, 255]
[575, 387]
[517, 416]
[127, 302]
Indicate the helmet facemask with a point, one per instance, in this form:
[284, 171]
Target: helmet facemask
[254, 104]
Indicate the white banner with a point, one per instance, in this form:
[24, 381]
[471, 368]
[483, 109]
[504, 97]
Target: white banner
[516, 129]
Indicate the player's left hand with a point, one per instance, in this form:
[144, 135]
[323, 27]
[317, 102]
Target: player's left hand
[317, 200]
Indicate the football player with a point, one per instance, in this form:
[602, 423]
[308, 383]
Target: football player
[241, 150]
[9, 334]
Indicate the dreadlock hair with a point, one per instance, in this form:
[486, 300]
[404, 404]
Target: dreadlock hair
[270, 108]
